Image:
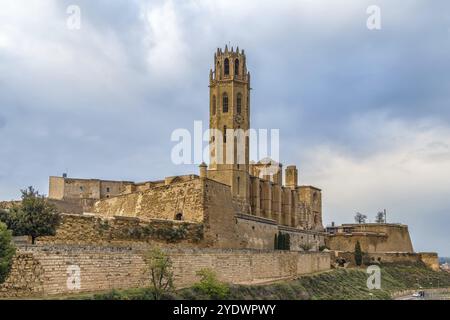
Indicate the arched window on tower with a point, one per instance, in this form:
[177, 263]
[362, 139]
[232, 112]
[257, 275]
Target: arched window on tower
[224, 134]
[239, 103]
[236, 67]
[214, 105]
[226, 67]
[225, 103]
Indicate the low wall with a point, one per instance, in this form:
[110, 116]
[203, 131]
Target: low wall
[98, 230]
[430, 259]
[45, 270]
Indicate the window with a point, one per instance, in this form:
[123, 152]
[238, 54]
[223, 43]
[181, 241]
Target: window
[236, 67]
[226, 67]
[239, 103]
[108, 190]
[179, 216]
[81, 189]
[224, 134]
[214, 105]
[225, 103]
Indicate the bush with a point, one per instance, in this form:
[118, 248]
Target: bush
[210, 286]
[358, 254]
[282, 241]
[7, 252]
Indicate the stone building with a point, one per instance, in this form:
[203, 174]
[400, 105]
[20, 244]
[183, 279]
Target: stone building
[241, 204]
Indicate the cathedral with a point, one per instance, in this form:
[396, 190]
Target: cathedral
[240, 203]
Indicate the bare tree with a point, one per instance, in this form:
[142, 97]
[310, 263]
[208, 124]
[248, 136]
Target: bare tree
[360, 218]
[380, 217]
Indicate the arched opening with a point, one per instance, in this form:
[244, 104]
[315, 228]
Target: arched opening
[239, 103]
[224, 134]
[225, 103]
[214, 105]
[226, 67]
[236, 67]
[179, 216]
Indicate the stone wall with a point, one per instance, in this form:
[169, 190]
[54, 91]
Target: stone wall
[98, 230]
[255, 232]
[430, 259]
[374, 238]
[163, 202]
[53, 270]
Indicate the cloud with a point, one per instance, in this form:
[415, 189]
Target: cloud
[363, 113]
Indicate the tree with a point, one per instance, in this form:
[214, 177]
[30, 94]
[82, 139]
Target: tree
[360, 218]
[7, 251]
[358, 254]
[34, 216]
[380, 217]
[161, 275]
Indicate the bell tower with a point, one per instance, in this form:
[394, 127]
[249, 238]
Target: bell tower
[229, 85]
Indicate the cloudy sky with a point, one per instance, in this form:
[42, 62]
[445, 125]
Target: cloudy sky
[365, 114]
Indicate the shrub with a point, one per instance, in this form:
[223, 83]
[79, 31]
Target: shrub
[7, 252]
[358, 254]
[282, 241]
[210, 286]
[306, 246]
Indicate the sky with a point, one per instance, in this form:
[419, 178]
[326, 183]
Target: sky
[364, 114]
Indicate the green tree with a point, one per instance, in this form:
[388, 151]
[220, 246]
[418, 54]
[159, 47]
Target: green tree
[161, 275]
[7, 252]
[358, 254]
[209, 285]
[34, 216]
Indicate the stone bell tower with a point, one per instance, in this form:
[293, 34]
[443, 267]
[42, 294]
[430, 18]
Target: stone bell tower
[229, 83]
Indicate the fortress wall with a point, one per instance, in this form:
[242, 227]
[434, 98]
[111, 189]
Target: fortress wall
[430, 259]
[51, 270]
[255, 232]
[299, 238]
[219, 222]
[97, 230]
[374, 238]
[163, 202]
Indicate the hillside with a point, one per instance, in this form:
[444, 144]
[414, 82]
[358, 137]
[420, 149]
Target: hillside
[339, 284]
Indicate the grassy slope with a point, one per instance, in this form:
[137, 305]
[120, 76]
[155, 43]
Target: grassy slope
[335, 285]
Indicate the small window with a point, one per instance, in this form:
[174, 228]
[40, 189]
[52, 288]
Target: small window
[108, 189]
[179, 216]
[239, 103]
[225, 103]
[214, 105]
[81, 189]
[236, 67]
[224, 134]
[226, 68]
